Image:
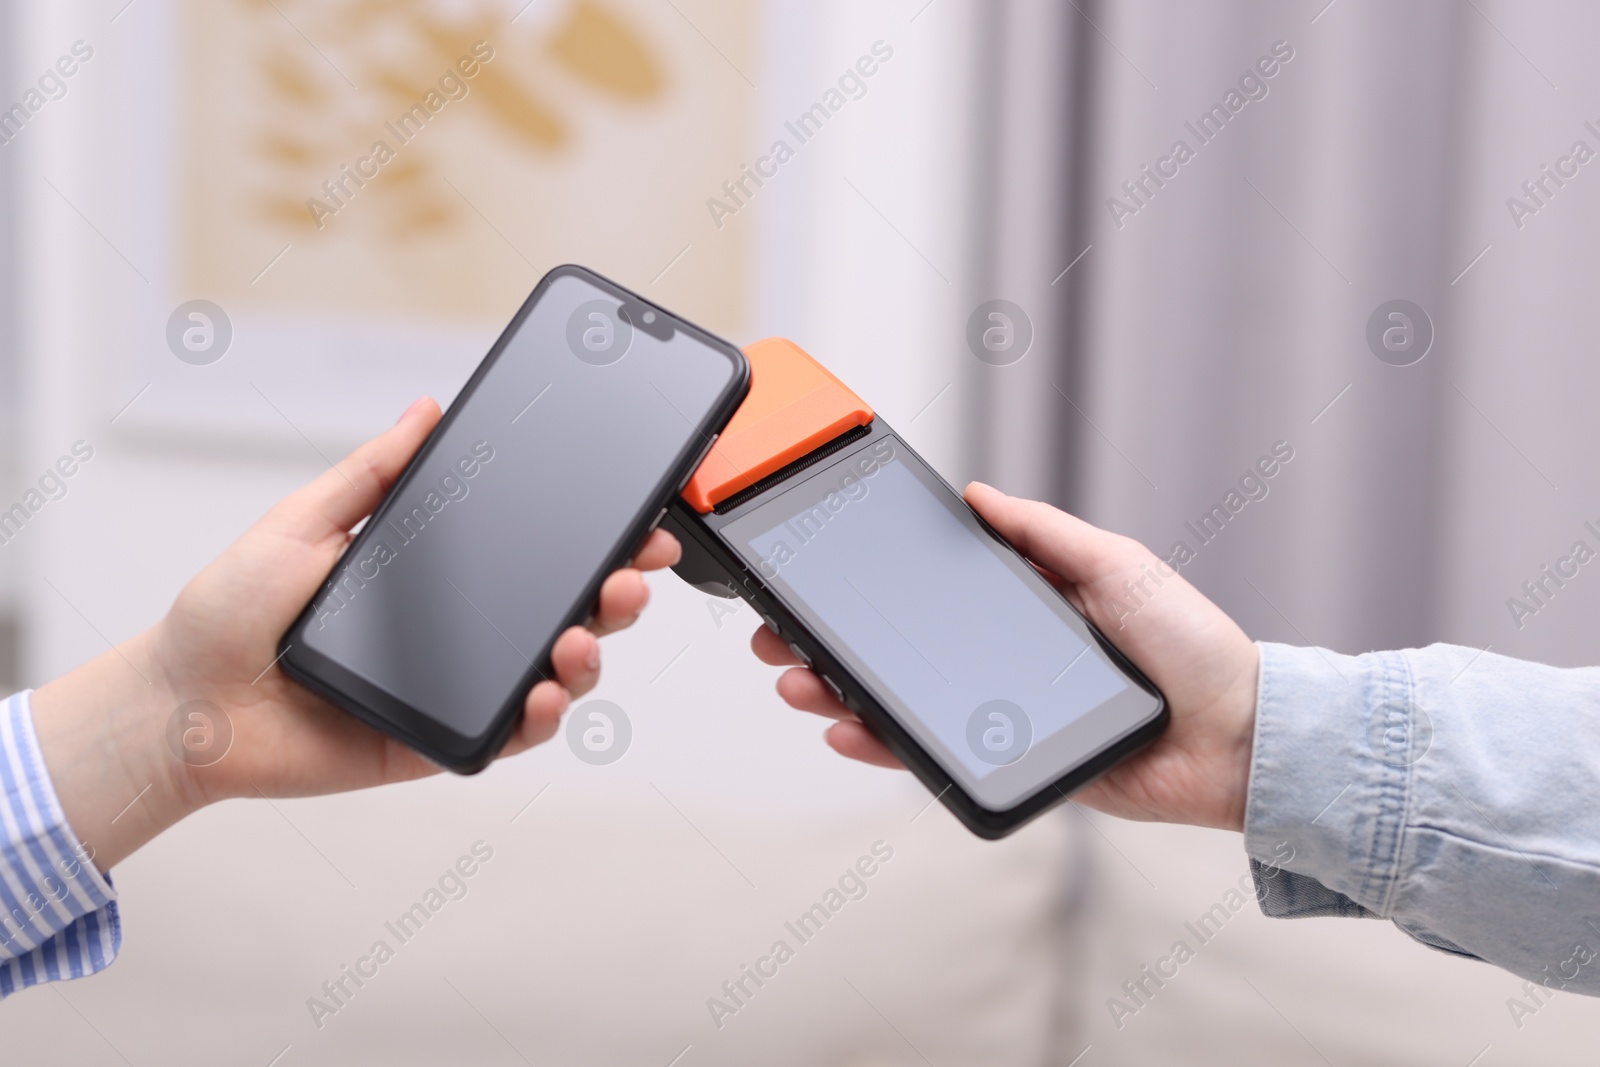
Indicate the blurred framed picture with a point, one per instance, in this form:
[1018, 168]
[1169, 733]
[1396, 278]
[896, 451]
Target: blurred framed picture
[340, 202]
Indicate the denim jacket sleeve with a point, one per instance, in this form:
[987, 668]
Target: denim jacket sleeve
[1449, 790]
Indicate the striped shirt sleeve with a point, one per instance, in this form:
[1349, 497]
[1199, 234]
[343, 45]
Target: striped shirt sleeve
[58, 914]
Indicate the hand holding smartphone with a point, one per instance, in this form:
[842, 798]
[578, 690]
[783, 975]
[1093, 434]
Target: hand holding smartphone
[555, 461]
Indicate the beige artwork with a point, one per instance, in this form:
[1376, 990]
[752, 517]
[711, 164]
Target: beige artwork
[412, 158]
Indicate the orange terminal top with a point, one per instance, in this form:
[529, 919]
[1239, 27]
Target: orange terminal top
[794, 407]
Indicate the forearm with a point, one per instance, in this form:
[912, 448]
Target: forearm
[1446, 789]
[102, 731]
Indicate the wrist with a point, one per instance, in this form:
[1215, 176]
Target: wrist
[1221, 748]
[1239, 719]
[102, 731]
[1236, 771]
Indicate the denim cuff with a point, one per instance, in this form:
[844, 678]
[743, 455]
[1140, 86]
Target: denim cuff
[1329, 781]
[1285, 895]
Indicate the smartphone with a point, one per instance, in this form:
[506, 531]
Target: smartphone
[547, 472]
[970, 666]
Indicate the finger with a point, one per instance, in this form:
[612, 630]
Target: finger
[576, 659]
[801, 689]
[659, 550]
[541, 717]
[855, 741]
[772, 649]
[1062, 543]
[348, 492]
[401, 763]
[1062, 586]
[623, 596]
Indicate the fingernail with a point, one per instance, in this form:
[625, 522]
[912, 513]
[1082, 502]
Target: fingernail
[415, 404]
[594, 656]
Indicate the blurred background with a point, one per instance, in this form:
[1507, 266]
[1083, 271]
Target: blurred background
[1189, 311]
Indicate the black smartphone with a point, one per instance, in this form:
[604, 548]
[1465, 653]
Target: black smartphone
[974, 670]
[550, 468]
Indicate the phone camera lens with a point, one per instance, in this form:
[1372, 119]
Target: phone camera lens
[652, 322]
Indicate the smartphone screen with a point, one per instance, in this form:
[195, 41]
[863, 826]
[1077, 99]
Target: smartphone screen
[590, 410]
[982, 662]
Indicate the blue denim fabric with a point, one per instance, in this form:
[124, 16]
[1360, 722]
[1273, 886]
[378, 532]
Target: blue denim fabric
[1449, 790]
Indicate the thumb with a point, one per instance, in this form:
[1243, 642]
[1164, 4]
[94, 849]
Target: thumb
[348, 492]
[1062, 544]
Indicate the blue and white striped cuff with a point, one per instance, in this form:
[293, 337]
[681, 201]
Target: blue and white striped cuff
[58, 914]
